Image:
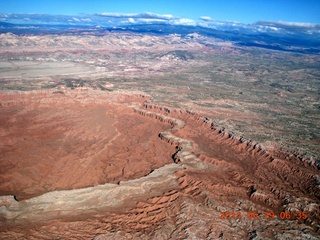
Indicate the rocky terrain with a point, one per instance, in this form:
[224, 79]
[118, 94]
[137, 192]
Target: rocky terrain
[55, 142]
[123, 135]
[197, 182]
[268, 96]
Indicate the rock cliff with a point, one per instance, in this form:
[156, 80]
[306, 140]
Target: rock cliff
[215, 186]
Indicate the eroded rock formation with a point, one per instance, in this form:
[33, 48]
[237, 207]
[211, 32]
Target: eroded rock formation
[215, 186]
[52, 142]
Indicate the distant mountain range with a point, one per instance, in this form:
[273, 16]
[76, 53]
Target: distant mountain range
[285, 36]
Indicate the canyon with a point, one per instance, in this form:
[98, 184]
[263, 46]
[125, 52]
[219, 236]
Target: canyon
[121, 134]
[191, 173]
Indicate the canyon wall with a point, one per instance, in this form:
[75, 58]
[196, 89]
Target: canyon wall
[216, 186]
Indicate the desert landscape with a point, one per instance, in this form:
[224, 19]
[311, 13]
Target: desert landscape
[126, 135]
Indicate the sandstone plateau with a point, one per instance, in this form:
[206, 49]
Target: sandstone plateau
[113, 165]
[167, 132]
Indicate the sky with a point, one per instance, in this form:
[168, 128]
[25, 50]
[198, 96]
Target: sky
[244, 11]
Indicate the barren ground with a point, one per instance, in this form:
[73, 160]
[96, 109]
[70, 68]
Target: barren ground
[56, 142]
[111, 165]
[132, 136]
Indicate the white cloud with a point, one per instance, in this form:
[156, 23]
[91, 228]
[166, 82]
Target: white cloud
[148, 20]
[86, 20]
[183, 21]
[131, 20]
[206, 18]
[297, 24]
[138, 15]
[289, 25]
[267, 29]
[274, 28]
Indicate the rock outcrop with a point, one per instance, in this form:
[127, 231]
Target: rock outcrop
[51, 142]
[216, 186]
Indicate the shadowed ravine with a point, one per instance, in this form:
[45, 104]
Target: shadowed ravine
[214, 172]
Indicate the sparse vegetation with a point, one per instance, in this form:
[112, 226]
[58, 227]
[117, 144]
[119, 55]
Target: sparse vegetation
[236, 85]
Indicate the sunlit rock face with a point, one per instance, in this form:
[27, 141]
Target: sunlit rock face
[115, 166]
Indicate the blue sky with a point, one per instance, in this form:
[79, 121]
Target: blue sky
[246, 11]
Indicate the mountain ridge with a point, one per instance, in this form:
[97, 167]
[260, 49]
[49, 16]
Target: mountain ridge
[297, 42]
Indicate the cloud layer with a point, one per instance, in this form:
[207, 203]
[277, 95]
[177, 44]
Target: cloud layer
[290, 26]
[147, 15]
[123, 19]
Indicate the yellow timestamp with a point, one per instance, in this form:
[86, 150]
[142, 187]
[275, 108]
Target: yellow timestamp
[264, 215]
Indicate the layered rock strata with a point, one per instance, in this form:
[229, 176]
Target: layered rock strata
[214, 173]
